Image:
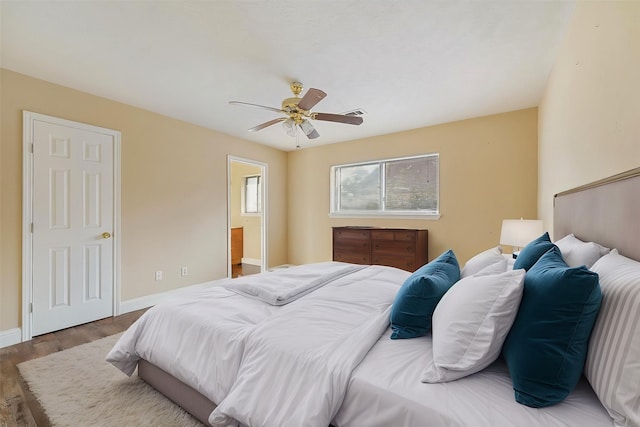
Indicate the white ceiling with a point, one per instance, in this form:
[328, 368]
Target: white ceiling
[408, 64]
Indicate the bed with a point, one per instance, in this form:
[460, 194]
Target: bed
[310, 345]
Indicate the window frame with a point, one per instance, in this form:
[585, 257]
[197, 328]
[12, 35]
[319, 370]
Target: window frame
[405, 214]
[245, 180]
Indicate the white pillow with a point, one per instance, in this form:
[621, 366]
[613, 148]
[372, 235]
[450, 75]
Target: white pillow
[495, 268]
[481, 260]
[575, 252]
[470, 324]
[613, 359]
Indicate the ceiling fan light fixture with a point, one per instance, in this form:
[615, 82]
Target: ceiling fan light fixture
[290, 127]
[297, 110]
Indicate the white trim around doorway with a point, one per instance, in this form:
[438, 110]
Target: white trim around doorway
[265, 209]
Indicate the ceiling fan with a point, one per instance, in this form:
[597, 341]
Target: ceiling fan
[297, 112]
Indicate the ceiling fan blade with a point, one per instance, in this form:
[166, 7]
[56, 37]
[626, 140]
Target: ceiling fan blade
[309, 130]
[339, 118]
[277, 110]
[311, 98]
[267, 124]
[313, 135]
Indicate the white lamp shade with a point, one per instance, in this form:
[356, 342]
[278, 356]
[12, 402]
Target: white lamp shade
[519, 232]
[290, 127]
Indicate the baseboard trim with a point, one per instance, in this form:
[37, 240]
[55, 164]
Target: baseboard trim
[252, 261]
[153, 299]
[10, 337]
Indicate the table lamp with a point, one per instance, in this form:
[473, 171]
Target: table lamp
[519, 232]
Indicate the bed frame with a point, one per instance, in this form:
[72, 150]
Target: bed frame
[605, 211]
[175, 390]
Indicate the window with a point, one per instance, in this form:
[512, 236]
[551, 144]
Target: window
[403, 186]
[252, 195]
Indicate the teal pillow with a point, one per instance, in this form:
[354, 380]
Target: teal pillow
[417, 298]
[547, 345]
[532, 252]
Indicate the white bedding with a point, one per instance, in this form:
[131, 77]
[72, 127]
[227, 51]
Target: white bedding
[201, 337]
[282, 287]
[297, 363]
[203, 330]
[385, 390]
[198, 337]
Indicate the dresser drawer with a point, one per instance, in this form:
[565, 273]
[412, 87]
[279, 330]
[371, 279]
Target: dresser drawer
[404, 263]
[396, 235]
[393, 247]
[352, 245]
[351, 234]
[351, 257]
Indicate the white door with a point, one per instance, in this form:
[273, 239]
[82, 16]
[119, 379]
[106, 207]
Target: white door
[73, 222]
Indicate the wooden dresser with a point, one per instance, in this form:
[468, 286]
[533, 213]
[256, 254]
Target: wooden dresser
[237, 245]
[395, 247]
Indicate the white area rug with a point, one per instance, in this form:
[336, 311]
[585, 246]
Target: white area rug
[77, 387]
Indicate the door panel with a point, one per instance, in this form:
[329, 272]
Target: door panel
[73, 189]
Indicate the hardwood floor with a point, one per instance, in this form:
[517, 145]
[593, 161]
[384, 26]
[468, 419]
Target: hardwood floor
[244, 270]
[17, 406]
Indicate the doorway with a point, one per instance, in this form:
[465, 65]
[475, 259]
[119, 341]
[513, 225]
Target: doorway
[247, 205]
[71, 219]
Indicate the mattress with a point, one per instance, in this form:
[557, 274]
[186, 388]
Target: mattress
[385, 390]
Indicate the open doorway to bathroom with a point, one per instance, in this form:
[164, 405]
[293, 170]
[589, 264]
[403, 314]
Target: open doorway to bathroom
[247, 200]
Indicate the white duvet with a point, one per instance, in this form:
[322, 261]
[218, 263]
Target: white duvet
[200, 337]
[297, 363]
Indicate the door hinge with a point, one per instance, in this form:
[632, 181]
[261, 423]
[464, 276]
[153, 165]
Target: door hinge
[32, 147]
[30, 307]
[31, 227]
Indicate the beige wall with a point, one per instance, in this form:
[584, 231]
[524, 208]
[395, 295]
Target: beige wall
[174, 173]
[249, 223]
[174, 190]
[488, 172]
[589, 117]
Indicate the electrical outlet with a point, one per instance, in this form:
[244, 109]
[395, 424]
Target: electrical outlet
[159, 275]
[184, 271]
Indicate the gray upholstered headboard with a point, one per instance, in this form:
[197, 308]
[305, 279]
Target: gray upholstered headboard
[605, 212]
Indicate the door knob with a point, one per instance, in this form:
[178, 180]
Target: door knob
[106, 235]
